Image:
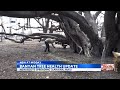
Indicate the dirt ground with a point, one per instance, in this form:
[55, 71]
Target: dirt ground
[11, 52]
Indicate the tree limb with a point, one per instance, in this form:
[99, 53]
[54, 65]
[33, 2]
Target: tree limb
[58, 37]
[96, 15]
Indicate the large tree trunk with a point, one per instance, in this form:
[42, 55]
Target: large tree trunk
[77, 37]
[94, 39]
[103, 32]
[91, 20]
[71, 35]
[111, 33]
[118, 31]
[45, 28]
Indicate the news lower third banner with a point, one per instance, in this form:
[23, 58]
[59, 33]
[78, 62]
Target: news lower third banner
[55, 66]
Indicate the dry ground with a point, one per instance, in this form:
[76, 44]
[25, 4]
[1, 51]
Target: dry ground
[10, 52]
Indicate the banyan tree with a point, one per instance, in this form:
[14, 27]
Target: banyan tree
[79, 34]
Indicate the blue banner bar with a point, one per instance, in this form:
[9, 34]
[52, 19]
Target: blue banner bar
[89, 65]
[56, 64]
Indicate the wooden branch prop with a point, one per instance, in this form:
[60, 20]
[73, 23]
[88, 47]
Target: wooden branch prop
[15, 34]
[39, 34]
[35, 34]
[14, 40]
[58, 37]
[25, 27]
[22, 40]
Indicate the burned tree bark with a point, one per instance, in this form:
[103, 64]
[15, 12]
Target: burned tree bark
[71, 36]
[94, 39]
[78, 40]
[91, 20]
[118, 29]
[111, 33]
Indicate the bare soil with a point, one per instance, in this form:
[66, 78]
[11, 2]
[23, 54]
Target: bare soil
[11, 52]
